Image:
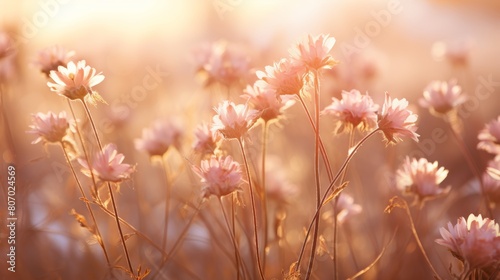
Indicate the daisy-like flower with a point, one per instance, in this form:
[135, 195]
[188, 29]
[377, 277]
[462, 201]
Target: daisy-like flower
[159, 138]
[50, 127]
[346, 208]
[491, 185]
[222, 63]
[232, 120]
[51, 58]
[489, 137]
[285, 77]
[441, 97]
[75, 81]
[354, 110]
[107, 165]
[421, 179]
[220, 176]
[475, 241]
[396, 120]
[207, 141]
[265, 100]
[313, 52]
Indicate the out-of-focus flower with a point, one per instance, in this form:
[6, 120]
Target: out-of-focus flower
[221, 62]
[354, 110]
[107, 165]
[441, 97]
[491, 185]
[421, 178]
[8, 59]
[457, 54]
[265, 100]
[346, 208]
[285, 77]
[75, 81]
[207, 141]
[489, 137]
[313, 52]
[51, 58]
[233, 121]
[396, 120]
[50, 127]
[278, 188]
[220, 176]
[159, 138]
[6, 45]
[475, 241]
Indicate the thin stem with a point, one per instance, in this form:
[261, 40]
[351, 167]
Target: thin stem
[414, 231]
[453, 120]
[254, 214]
[323, 149]
[265, 130]
[316, 173]
[330, 187]
[233, 239]
[113, 201]
[167, 203]
[89, 208]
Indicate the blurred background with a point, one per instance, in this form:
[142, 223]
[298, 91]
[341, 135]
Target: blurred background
[395, 46]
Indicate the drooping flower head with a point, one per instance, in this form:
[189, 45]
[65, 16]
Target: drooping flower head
[232, 120]
[50, 127]
[220, 176]
[489, 137]
[441, 97]
[285, 77]
[207, 140]
[265, 100]
[75, 81]
[221, 62]
[421, 178]
[475, 241]
[51, 58]
[396, 121]
[159, 138]
[314, 52]
[354, 110]
[107, 165]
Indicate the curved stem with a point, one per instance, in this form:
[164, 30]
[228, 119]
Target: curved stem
[113, 201]
[254, 214]
[330, 187]
[167, 204]
[89, 208]
[316, 173]
[265, 130]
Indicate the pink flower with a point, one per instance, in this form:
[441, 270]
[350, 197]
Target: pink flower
[354, 110]
[222, 63]
[441, 97]
[475, 241]
[75, 81]
[207, 141]
[6, 45]
[107, 165]
[159, 138]
[220, 176]
[313, 52]
[51, 58]
[285, 77]
[346, 208]
[233, 121]
[489, 137]
[491, 185]
[265, 100]
[50, 127]
[421, 178]
[396, 120]
[278, 187]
